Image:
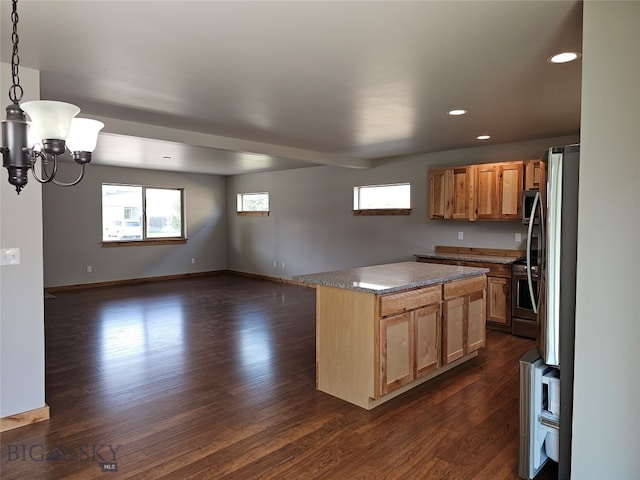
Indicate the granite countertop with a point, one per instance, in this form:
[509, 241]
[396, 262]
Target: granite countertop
[468, 257]
[393, 277]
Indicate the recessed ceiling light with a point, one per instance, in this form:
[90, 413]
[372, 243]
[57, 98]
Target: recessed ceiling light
[457, 112]
[484, 137]
[564, 57]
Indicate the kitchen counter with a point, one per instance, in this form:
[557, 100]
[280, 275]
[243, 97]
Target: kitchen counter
[468, 257]
[499, 263]
[393, 277]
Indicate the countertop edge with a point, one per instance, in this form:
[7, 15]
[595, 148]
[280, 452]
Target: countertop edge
[468, 258]
[400, 288]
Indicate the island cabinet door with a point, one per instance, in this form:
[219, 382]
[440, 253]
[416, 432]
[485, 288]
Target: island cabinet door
[427, 339]
[454, 329]
[463, 318]
[476, 326]
[396, 352]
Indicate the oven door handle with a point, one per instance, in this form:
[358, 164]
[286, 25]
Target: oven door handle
[532, 216]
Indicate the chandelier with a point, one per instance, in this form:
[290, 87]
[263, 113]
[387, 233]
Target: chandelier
[53, 129]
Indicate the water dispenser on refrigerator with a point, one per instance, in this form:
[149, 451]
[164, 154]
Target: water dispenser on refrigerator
[539, 414]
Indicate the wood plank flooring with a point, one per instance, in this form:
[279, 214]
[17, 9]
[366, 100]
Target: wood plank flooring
[214, 377]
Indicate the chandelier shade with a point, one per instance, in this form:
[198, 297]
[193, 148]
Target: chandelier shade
[33, 137]
[51, 119]
[83, 136]
[45, 137]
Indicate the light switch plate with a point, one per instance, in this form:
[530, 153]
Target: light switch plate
[518, 237]
[10, 256]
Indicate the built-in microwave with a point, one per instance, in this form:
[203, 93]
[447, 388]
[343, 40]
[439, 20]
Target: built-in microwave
[527, 206]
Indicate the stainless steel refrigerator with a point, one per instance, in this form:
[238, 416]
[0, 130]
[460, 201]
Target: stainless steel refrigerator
[546, 373]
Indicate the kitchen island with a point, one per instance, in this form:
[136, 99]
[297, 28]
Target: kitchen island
[383, 329]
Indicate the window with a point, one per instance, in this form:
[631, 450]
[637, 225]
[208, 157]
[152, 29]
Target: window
[392, 199]
[135, 213]
[255, 204]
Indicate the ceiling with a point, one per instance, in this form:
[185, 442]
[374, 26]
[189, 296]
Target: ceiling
[235, 87]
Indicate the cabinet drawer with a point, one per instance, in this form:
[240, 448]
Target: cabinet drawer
[464, 287]
[395, 303]
[495, 269]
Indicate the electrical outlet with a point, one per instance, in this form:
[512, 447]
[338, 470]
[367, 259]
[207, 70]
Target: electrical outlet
[275, 264]
[518, 237]
[283, 265]
[10, 256]
[89, 269]
[193, 260]
[460, 235]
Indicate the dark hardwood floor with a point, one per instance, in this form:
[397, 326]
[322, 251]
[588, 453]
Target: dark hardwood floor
[214, 377]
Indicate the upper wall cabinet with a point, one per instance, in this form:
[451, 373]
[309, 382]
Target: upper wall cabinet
[477, 192]
[509, 187]
[451, 193]
[533, 174]
[485, 202]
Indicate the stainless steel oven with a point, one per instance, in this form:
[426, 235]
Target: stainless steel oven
[524, 321]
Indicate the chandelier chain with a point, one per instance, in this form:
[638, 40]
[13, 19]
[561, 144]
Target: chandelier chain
[15, 91]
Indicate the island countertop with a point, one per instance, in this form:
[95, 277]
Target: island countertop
[392, 277]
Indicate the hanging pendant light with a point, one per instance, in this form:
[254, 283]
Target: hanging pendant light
[54, 126]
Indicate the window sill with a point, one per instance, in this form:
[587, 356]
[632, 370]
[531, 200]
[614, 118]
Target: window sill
[136, 243]
[253, 214]
[382, 211]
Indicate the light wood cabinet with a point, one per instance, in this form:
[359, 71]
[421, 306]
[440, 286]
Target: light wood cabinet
[370, 348]
[409, 346]
[439, 204]
[462, 192]
[409, 333]
[427, 326]
[499, 299]
[509, 188]
[396, 352]
[455, 311]
[485, 205]
[476, 326]
[498, 290]
[451, 193]
[463, 318]
[532, 174]
[491, 191]
[498, 193]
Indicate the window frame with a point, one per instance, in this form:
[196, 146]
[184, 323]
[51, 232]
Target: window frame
[379, 211]
[251, 213]
[145, 240]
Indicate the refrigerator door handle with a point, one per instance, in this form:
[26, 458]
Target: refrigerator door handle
[536, 201]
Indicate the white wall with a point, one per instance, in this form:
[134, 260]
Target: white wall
[606, 423]
[311, 227]
[73, 229]
[21, 294]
